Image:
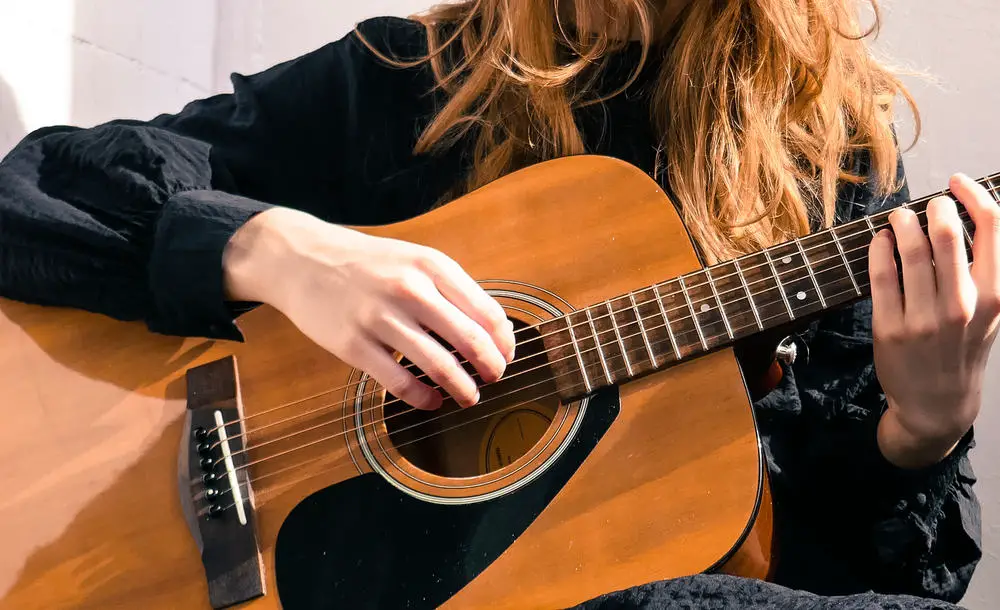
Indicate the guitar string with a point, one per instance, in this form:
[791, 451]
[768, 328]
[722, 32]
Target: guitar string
[624, 352]
[598, 345]
[986, 182]
[597, 336]
[491, 399]
[247, 448]
[303, 463]
[639, 349]
[707, 281]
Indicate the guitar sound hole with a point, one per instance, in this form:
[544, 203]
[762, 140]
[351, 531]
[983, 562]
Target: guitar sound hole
[510, 418]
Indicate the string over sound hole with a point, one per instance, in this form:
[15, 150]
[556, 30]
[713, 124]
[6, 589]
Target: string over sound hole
[510, 418]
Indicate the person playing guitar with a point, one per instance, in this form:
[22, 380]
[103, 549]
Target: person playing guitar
[764, 120]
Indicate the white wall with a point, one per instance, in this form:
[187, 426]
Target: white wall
[86, 61]
[256, 34]
[956, 43]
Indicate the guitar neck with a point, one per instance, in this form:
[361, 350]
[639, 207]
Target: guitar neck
[711, 308]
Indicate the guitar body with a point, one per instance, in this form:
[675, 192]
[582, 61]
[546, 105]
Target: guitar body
[526, 503]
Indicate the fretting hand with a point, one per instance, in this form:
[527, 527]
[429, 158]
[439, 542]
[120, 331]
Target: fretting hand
[363, 297]
[933, 337]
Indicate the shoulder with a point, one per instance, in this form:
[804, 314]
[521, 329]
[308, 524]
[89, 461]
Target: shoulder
[397, 38]
[384, 56]
[372, 46]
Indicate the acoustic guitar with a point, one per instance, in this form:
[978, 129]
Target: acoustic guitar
[145, 471]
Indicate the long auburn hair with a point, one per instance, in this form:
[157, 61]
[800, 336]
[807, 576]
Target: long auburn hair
[761, 105]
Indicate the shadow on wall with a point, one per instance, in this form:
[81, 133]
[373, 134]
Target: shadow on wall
[11, 125]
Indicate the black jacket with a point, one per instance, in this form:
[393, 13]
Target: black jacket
[130, 219]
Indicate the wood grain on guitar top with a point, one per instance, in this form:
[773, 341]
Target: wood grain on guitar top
[93, 409]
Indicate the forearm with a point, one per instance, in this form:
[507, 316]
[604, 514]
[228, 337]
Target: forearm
[257, 260]
[906, 450]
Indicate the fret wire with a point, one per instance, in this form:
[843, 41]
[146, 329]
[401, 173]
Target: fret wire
[579, 356]
[694, 316]
[642, 329]
[992, 188]
[781, 287]
[871, 227]
[722, 311]
[656, 291]
[805, 261]
[618, 334]
[666, 320]
[965, 230]
[847, 264]
[766, 254]
[753, 307]
[597, 342]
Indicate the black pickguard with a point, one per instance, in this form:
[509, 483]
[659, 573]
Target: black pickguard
[365, 544]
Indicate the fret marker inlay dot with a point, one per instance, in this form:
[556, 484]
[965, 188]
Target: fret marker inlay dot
[801, 296]
[787, 260]
[704, 307]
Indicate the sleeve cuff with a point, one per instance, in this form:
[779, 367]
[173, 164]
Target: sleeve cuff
[185, 268]
[900, 491]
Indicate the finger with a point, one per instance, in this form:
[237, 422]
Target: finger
[470, 298]
[887, 300]
[956, 291]
[405, 336]
[470, 339]
[985, 214]
[919, 286]
[397, 380]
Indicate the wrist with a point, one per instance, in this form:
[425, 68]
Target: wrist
[905, 449]
[254, 258]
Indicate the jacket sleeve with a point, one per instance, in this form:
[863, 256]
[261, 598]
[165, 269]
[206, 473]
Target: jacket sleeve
[875, 526]
[130, 218]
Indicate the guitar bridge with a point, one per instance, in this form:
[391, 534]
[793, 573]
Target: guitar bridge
[215, 491]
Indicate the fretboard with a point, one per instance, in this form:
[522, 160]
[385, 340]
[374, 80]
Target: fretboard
[691, 315]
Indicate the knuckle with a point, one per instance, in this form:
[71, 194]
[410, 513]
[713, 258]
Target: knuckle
[883, 275]
[497, 317]
[445, 373]
[891, 335]
[915, 253]
[993, 216]
[958, 316]
[351, 346]
[374, 319]
[430, 261]
[402, 384]
[405, 287]
[944, 234]
[888, 331]
[488, 352]
[923, 329]
[990, 303]
[473, 345]
[435, 371]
